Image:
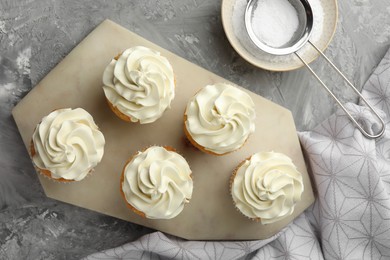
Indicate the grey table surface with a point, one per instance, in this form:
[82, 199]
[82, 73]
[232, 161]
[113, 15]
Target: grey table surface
[36, 35]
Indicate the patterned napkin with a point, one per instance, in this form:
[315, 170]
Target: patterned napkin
[350, 218]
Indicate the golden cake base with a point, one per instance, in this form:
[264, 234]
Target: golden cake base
[211, 215]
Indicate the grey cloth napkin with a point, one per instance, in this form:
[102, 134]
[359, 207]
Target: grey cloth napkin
[350, 218]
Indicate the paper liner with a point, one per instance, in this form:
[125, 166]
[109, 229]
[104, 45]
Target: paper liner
[202, 148]
[232, 177]
[122, 115]
[118, 113]
[61, 180]
[134, 209]
[138, 212]
[45, 172]
[230, 188]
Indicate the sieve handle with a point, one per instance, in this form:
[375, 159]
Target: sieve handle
[364, 132]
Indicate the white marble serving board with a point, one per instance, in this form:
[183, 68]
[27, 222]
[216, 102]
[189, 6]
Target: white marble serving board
[211, 215]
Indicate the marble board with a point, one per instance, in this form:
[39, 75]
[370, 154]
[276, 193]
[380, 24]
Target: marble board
[77, 82]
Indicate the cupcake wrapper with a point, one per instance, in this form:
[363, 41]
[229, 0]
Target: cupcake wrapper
[201, 148]
[131, 207]
[119, 113]
[232, 177]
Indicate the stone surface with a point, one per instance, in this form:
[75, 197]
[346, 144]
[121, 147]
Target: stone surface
[36, 35]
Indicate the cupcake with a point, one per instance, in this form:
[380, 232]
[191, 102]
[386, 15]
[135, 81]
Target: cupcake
[139, 85]
[66, 145]
[219, 119]
[266, 187]
[156, 183]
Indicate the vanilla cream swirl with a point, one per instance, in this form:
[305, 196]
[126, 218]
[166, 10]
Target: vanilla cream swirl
[267, 187]
[140, 84]
[157, 182]
[220, 118]
[68, 143]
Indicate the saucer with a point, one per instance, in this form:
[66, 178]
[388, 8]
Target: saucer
[325, 20]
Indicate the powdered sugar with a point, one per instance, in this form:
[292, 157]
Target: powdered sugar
[239, 29]
[274, 22]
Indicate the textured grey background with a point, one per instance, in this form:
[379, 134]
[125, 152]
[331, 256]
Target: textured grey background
[36, 35]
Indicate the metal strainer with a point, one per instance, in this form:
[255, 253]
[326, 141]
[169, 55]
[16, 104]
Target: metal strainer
[298, 40]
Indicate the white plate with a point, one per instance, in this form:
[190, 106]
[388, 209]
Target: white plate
[325, 19]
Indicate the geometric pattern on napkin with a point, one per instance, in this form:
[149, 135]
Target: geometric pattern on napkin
[351, 214]
[158, 245]
[350, 218]
[352, 211]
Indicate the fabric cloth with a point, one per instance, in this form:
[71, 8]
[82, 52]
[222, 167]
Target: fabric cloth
[350, 218]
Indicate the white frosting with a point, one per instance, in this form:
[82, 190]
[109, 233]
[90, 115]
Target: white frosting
[158, 183]
[220, 118]
[267, 186]
[140, 84]
[68, 143]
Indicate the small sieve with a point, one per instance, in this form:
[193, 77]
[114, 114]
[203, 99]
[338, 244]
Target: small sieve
[299, 39]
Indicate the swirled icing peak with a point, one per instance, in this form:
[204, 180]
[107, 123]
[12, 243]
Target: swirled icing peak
[140, 84]
[267, 187]
[68, 143]
[157, 182]
[220, 118]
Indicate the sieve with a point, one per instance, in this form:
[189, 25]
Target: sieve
[299, 39]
